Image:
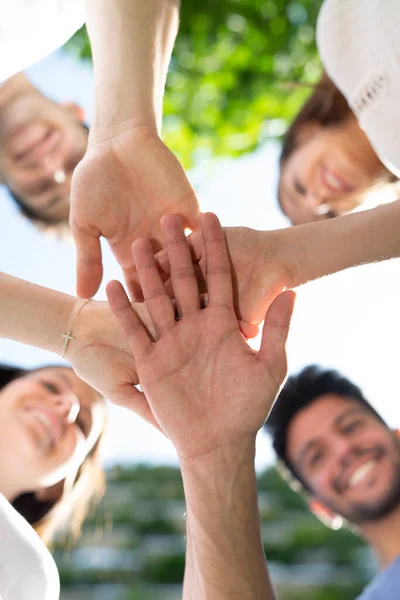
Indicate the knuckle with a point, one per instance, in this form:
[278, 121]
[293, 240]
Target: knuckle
[178, 273]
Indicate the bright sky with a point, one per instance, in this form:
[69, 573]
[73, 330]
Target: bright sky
[348, 321]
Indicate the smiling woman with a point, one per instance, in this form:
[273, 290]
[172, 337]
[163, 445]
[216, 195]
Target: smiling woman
[51, 426]
[327, 165]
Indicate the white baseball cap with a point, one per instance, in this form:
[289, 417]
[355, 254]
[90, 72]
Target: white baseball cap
[359, 44]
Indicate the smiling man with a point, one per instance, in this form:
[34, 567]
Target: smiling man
[41, 142]
[346, 459]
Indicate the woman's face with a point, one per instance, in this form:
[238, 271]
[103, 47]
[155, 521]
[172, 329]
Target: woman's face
[49, 422]
[327, 173]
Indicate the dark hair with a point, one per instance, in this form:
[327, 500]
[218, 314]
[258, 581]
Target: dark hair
[31, 214]
[299, 392]
[326, 106]
[71, 506]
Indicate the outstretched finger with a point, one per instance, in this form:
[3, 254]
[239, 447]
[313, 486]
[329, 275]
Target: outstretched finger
[157, 299]
[275, 332]
[183, 278]
[89, 266]
[136, 335]
[196, 245]
[218, 268]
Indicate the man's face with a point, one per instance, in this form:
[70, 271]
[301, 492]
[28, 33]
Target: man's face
[347, 457]
[41, 142]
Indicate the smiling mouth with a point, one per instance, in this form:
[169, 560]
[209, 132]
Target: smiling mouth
[32, 144]
[362, 476]
[361, 473]
[45, 425]
[334, 182]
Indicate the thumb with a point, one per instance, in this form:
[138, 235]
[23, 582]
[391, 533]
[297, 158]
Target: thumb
[89, 266]
[275, 332]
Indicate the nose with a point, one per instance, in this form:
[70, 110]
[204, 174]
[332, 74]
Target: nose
[313, 199]
[317, 203]
[51, 165]
[343, 453]
[67, 407]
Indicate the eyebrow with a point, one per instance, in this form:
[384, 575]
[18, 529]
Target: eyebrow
[338, 421]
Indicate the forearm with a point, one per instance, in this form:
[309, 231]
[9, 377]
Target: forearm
[32, 314]
[224, 555]
[318, 249]
[132, 42]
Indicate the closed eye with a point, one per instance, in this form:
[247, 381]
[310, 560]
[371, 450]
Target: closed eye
[315, 458]
[350, 427]
[300, 189]
[51, 387]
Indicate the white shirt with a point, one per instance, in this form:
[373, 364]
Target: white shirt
[32, 29]
[27, 569]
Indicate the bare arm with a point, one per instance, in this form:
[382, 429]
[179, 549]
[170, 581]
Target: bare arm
[131, 42]
[219, 395]
[330, 246]
[266, 262]
[224, 554]
[32, 314]
[99, 354]
[128, 178]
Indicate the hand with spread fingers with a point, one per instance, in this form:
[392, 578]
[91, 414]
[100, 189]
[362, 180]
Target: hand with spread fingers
[205, 386]
[264, 263]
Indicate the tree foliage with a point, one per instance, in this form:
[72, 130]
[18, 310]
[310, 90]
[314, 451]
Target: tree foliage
[234, 75]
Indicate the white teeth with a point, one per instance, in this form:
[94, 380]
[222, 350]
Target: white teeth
[361, 473]
[332, 180]
[46, 422]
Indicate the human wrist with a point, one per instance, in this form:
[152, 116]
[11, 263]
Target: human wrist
[221, 460]
[139, 129]
[281, 248]
[76, 320]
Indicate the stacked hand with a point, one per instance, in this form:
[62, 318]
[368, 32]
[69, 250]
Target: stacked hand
[100, 355]
[202, 383]
[260, 268]
[120, 190]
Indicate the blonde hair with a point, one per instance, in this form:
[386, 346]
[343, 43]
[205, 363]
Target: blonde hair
[74, 497]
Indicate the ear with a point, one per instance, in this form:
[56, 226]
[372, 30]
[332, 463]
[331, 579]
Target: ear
[397, 433]
[74, 109]
[52, 493]
[325, 515]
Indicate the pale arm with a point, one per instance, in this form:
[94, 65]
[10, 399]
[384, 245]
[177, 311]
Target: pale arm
[99, 354]
[32, 314]
[330, 246]
[131, 43]
[128, 178]
[224, 553]
[266, 262]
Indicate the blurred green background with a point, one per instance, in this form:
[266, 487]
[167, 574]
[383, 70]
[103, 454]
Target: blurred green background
[239, 72]
[132, 547]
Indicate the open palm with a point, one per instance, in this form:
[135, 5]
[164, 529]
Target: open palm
[200, 376]
[120, 190]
